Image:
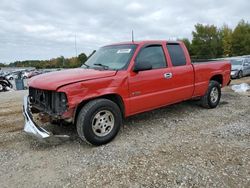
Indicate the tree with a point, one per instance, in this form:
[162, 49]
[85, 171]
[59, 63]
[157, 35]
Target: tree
[206, 42]
[241, 39]
[82, 58]
[226, 35]
[2, 65]
[187, 44]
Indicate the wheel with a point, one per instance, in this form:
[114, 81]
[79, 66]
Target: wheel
[11, 78]
[240, 74]
[1, 87]
[212, 97]
[25, 77]
[99, 121]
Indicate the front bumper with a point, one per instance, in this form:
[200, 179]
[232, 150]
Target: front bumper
[32, 129]
[234, 74]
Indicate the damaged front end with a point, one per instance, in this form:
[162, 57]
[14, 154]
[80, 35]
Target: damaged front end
[40, 101]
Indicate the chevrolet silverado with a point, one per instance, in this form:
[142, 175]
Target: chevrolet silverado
[118, 81]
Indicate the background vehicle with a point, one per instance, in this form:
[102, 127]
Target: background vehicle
[12, 75]
[25, 74]
[33, 73]
[240, 67]
[4, 84]
[118, 81]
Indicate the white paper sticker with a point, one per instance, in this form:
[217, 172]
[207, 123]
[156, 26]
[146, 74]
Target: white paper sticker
[124, 51]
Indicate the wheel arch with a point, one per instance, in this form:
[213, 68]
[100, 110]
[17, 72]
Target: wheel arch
[218, 78]
[116, 98]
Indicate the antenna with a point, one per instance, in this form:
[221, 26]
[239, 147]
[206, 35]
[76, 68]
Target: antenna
[75, 45]
[132, 36]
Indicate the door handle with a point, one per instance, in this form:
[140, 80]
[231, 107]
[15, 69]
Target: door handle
[168, 75]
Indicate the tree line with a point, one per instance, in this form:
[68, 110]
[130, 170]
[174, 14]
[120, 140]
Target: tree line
[208, 41]
[59, 62]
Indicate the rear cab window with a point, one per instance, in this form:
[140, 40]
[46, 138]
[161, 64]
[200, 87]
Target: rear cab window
[176, 54]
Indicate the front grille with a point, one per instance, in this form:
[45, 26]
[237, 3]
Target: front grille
[51, 102]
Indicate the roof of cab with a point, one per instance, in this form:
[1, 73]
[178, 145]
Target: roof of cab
[144, 42]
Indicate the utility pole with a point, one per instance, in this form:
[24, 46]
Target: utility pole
[75, 45]
[132, 36]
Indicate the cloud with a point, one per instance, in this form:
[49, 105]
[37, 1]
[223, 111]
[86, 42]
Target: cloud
[46, 29]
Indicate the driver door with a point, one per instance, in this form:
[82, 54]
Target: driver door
[149, 89]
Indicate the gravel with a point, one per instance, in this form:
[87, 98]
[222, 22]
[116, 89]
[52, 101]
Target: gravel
[182, 145]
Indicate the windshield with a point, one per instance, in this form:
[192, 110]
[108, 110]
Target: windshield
[236, 62]
[114, 57]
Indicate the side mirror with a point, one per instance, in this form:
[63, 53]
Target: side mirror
[142, 66]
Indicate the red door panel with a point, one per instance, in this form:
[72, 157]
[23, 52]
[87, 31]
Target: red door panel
[149, 89]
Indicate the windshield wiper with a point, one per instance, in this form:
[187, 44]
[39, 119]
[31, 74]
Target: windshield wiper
[87, 66]
[101, 65]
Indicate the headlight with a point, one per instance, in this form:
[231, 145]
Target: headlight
[233, 72]
[60, 101]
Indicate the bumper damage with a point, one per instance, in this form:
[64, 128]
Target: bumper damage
[32, 129]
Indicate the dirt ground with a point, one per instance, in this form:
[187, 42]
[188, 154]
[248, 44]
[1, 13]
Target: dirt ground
[182, 145]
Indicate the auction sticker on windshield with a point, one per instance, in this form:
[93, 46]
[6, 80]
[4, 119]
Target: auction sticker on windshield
[124, 51]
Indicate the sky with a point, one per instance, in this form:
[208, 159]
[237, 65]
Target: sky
[47, 29]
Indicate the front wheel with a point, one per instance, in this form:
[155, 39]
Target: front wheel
[99, 121]
[212, 97]
[240, 74]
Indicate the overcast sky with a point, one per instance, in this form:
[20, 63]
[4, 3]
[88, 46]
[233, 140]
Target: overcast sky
[31, 29]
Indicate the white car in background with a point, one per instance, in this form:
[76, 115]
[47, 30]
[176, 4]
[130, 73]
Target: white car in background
[12, 76]
[240, 67]
[25, 74]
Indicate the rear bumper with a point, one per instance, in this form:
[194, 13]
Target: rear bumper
[32, 129]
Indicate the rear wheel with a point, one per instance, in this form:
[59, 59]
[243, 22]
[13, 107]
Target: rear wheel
[212, 97]
[99, 121]
[1, 87]
[240, 74]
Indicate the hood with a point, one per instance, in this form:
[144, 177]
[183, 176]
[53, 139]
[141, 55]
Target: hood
[236, 67]
[54, 80]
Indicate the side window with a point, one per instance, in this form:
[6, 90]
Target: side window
[248, 61]
[154, 55]
[176, 54]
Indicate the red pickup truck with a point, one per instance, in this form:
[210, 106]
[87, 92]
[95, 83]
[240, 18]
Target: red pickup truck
[118, 81]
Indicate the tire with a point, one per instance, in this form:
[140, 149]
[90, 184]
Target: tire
[99, 121]
[11, 78]
[1, 87]
[240, 74]
[212, 97]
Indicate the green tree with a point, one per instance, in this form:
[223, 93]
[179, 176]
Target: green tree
[206, 42]
[2, 65]
[187, 44]
[241, 39]
[226, 36]
[82, 58]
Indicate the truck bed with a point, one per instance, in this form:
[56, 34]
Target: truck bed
[204, 71]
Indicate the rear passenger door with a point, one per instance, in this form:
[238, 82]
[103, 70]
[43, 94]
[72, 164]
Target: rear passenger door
[182, 72]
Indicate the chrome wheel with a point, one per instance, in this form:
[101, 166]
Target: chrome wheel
[214, 94]
[103, 123]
